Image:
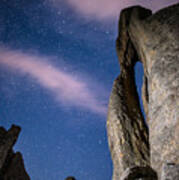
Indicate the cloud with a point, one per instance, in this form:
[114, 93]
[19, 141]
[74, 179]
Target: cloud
[105, 9]
[99, 8]
[66, 89]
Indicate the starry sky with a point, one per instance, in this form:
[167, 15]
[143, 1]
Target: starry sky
[57, 67]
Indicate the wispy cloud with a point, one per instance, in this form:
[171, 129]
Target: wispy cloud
[65, 87]
[103, 9]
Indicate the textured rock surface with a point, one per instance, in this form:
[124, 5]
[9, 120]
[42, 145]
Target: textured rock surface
[154, 39]
[11, 164]
[127, 132]
[157, 42]
[139, 173]
[170, 172]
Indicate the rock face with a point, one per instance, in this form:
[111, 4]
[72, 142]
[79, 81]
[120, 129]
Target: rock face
[154, 40]
[11, 164]
[170, 172]
[139, 173]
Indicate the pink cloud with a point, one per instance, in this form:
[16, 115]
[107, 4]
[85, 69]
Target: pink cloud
[65, 87]
[105, 9]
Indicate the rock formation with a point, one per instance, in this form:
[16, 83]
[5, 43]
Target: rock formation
[11, 163]
[135, 150]
[70, 178]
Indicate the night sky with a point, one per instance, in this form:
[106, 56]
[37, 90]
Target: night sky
[57, 67]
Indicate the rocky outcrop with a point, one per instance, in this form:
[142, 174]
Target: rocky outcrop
[170, 172]
[11, 163]
[127, 132]
[70, 178]
[139, 173]
[154, 40]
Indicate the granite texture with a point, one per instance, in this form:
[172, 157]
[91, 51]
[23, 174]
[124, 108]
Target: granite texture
[170, 171]
[127, 131]
[154, 40]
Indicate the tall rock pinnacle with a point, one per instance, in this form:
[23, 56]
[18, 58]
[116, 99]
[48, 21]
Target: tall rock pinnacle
[154, 40]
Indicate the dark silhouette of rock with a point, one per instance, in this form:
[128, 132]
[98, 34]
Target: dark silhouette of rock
[70, 178]
[154, 40]
[7, 140]
[11, 164]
